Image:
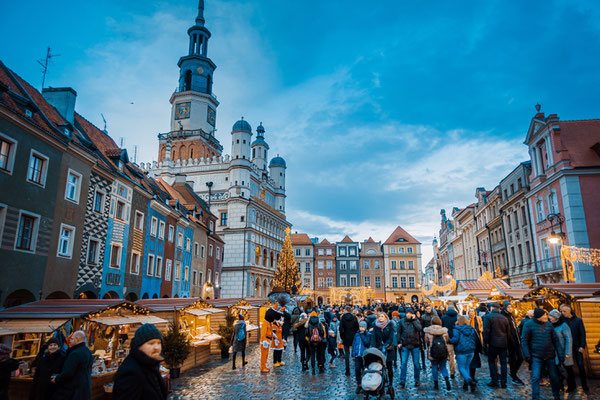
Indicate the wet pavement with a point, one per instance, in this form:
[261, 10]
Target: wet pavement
[216, 380]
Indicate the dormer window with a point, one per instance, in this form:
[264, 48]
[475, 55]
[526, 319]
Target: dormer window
[28, 112]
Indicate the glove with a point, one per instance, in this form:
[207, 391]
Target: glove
[284, 342]
[276, 343]
[265, 344]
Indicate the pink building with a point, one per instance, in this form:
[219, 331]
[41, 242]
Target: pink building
[564, 193]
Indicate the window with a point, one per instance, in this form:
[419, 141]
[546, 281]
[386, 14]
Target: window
[353, 280]
[212, 225]
[321, 252]
[394, 264]
[343, 281]
[73, 186]
[180, 240]
[210, 250]
[297, 252]
[393, 249]
[153, 226]
[186, 274]
[402, 264]
[200, 278]
[307, 252]
[217, 278]
[196, 249]
[120, 211]
[161, 230]
[218, 253]
[366, 264]
[27, 232]
[65, 240]
[307, 282]
[321, 282]
[411, 281]
[171, 233]
[409, 250]
[177, 272]
[411, 264]
[342, 264]
[376, 262]
[352, 251]
[93, 251]
[194, 278]
[403, 282]
[367, 281]
[539, 210]
[329, 282]
[150, 270]
[188, 244]
[138, 221]
[342, 251]
[209, 276]
[168, 267]
[394, 281]
[7, 153]
[98, 201]
[523, 216]
[159, 262]
[329, 252]
[223, 219]
[202, 251]
[329, 264]
[115, 256]
[400, 250]
[353, 264]
[38, 165]
[320, 264]
[307, 267]
[377, 282]
[553, 207]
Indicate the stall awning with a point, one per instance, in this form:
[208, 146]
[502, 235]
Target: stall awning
[458, 297]
[197, 312]
[570, 290]
[246, 307]
[129, 320]
[214, 310]
[13, 326]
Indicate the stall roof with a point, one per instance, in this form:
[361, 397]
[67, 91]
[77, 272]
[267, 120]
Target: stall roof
[224, 302]
[571, 290]
[15, 326]
[457, 297]
[63, 308]
[257, 301]
[170, 304]
[214, 310]
[480, 286]
[129, 320]
[198, 312]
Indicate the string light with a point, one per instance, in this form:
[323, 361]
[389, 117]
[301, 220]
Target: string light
[437, 288]
[572, 254]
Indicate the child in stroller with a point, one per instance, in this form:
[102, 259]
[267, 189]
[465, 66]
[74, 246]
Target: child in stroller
[375, 375]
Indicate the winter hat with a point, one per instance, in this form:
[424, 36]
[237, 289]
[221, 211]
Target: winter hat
[395, 314]
[555, 313]
[314, 313]
[538, 313]
[363, 324]
[144, 334]
[241, 316]
[506, 303]
[451, 307]
[53, 341]
[4, 349]
[494, 305]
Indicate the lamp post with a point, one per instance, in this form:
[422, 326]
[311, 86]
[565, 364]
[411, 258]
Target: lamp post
[556, 238]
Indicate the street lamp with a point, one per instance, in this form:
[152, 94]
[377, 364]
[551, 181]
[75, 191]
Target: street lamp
[554, 237]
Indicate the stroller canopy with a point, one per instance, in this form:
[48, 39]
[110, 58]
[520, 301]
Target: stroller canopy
[373, 355]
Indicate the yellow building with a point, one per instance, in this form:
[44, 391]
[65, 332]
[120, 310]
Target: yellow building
[402, 261]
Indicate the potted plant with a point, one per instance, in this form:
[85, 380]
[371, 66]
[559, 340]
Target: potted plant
[226, 331]
[176, 348]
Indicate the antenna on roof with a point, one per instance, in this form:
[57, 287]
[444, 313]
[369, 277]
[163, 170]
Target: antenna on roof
[104, 119]
[44, 64]
[135, 154]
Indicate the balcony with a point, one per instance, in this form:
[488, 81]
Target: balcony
[185, 133]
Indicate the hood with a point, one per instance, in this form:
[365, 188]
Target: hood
[240, 322]
[347, 317]
[435, 330]
[451, 313]
[466, 330]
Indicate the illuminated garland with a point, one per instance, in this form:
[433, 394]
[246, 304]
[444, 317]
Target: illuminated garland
[572, 254]
[437, 288]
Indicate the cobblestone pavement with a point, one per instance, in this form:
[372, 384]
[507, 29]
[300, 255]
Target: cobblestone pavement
[216, 380]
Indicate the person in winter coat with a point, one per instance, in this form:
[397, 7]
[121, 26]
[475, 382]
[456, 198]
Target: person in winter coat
[239, 340]
[383, 339]
[495, 338]
[418, 315]
[428, 315]
[563, 333]
[348, 328]
[579, 340]
[396, 321]
[437, 340]
[138, 378]
[293, 321]
[332, 347]
[286, 325]
[465, 342]
[515, 355]
[7, 366]
[409, 341]
[75, 380]
[370, 317]
[48, 362]
[526, 318]
[361, 342]
[540, 347]
[448, 322]
[316, 336]
[477, 323]
[302, 341]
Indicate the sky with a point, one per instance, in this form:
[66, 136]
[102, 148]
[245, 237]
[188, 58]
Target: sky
[385, 112]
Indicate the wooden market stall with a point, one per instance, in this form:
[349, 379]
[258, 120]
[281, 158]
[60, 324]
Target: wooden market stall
[194, 316]
[257, 315]
[515, 296]
[232, 306]
[109, 324]
[589, 312]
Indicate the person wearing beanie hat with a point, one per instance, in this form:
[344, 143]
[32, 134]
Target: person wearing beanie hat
[7, 366]
[565, 340]
[540, 347]
[361, 342]
[449, 322]
[496, 331]
[316, 336]
[49, 361]
[515, 354]
[239, 341]
[302, 341]
[139, 376]
[75, 379]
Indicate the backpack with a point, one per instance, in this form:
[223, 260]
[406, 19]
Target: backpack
[315, 336]
[438, 349]
[241, 335]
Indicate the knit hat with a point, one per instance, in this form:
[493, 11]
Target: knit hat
[506, 303]
[144, 334]
[395, 314]
[241, 316]
[4, 349]
[538, 313]
[53, 341]
[451, 307]
[363, 324]
[494, 305]
[555, 313]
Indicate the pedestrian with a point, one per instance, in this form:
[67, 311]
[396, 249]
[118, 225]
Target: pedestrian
[428, 315]
[139, 378]
[239, 340]
[334, 326]
[579, 342]
[465, 342]
[49, 361]
[348, 328]
[7, 366]
[293, 321]
[286, 325]
[418, 315]
[396, 321]
[75, 380]
[302, 341]
[448, 321]
[409, 342]
[540, 348]
[482, 310]
[362, 341]
[278, 342]
[495, 337]
[527, 317]
[315, 331]
[515, 354]
[565, 341]
[437, 341]
[383, 340]
[477, 324]
[370, 317]
[332, 347]
[266, 336]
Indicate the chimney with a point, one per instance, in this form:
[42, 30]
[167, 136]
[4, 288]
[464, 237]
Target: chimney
[63, 99]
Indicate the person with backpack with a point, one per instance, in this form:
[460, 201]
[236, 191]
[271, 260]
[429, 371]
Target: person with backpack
[238, 340]
[383, 340]
[347, 329]
[448, 322]
[361, 342]
[315, 331]
[302, 341]
[409, 342]
[465, 342]
[437, 340]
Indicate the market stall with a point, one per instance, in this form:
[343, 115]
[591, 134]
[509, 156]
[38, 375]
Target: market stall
[257, 315]
[109, 324]
[194, 318]
[234, 307]
[589, 312]
[500, 294]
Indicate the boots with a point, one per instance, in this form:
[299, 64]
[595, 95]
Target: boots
[448, 387]
[473, 371]
[435, 385]
[473, 386]
[466, 385]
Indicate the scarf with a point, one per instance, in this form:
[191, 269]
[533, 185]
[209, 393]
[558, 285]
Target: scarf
[382, 325]
[559, 322]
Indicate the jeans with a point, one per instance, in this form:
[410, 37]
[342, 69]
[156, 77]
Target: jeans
[347, 358]
[358, 367]
[493, 353]
[462, 362]
[577, 359]
[536, 372]
[415, 354]
[438, 365]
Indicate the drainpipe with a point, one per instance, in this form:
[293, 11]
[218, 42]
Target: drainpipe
[491, 250]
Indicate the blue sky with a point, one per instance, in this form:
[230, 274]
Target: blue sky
[385, 111]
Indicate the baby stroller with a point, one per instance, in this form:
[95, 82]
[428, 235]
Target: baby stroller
[375, 376]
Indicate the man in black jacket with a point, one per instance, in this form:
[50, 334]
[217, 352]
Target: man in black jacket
[448, 322]
[579, 338]
[409, 341]
[495, 338]
[348, 328]
[515, 356]
[75, 380]
[540, 347]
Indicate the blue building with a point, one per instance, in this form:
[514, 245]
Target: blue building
[184, 236]
[154, 249]
[347, 259]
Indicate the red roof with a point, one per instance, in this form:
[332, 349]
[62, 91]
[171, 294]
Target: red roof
[300, 239]
[483, 285]
[325, 241]
[346, 239]
[370, 240]
[64, 308]
[401, 236]
[577, 137]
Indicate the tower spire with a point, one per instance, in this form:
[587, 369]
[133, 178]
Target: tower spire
[200, 17]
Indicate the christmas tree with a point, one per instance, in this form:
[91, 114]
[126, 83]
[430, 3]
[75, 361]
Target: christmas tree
[287, 275]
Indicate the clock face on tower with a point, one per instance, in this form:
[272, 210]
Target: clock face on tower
[182, 110]
[211, 116]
